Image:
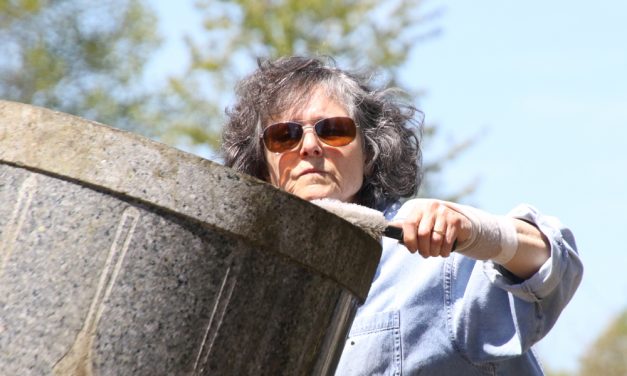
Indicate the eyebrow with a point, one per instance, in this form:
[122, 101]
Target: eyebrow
[311, 120]
[301, 121]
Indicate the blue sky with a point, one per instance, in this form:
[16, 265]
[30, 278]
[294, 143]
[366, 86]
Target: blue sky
[546, 83]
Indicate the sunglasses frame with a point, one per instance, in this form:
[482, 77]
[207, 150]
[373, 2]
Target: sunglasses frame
[303, 126]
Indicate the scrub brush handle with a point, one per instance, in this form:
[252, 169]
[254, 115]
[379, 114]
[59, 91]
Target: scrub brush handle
[397, 233]
[394, 232]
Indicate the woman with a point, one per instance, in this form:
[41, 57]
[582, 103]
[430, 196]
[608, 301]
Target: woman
[317, 131]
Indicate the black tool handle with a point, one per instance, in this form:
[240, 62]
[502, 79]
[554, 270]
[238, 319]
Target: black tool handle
[397, 233]
[394, 232]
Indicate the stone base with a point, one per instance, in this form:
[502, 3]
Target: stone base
[122, 256]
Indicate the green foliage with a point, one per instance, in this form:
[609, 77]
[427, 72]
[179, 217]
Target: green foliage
[358, 34]
[353, 31]
[77, 56]
[607, 356]
[88, 58]
[558, 373]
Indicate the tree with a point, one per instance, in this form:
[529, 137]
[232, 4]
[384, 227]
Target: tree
[88, 58]
[77, 56]
[607, 356]
[239, 31]
[357, 33]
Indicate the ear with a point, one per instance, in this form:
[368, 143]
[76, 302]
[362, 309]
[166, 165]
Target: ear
[368, 163]
[368, 168]
[367, 157]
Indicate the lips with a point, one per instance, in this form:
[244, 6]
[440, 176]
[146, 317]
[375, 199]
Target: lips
[309, 171]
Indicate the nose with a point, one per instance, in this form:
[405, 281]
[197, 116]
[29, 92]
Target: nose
[311, 144]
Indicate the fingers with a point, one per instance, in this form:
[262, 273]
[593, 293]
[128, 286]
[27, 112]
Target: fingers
[430, 228]
[425, 234]
[438, 234]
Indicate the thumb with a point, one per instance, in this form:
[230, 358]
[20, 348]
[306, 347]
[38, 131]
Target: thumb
[468, 230]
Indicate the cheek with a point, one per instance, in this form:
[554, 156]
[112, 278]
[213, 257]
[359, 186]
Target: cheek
[272, 165]
[354, 176]
[352, 169]
[279, 167]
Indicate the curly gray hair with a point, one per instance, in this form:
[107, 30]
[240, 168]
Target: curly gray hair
[388, 125]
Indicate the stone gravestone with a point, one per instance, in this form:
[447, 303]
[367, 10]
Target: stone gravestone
[123, 256]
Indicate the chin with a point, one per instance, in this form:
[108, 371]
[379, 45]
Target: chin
[313, 195]
[310, 197]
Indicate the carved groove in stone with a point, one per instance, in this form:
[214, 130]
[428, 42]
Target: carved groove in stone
[16, 222]
[78, 360]
[217, 315]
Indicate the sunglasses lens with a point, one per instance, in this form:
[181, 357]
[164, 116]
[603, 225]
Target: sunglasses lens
[281, 137]
[338, 131]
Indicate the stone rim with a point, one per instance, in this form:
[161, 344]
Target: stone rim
[121, 163]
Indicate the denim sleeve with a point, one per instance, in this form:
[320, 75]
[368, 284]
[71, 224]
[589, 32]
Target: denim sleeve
[493, 315]
[560, 274]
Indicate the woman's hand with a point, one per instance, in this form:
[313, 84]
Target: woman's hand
[432, 227]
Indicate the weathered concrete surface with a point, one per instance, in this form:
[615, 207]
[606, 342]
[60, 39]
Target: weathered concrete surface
[120, 255]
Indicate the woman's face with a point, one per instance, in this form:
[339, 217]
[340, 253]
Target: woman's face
[314, 169]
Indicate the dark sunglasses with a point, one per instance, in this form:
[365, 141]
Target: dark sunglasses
[335, 131]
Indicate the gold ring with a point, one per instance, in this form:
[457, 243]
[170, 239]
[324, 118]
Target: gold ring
[439, 232]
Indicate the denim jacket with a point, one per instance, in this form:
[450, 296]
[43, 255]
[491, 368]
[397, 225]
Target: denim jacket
[456, 315]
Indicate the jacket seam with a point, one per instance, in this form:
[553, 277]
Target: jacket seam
[448, 273]
[448, 269]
